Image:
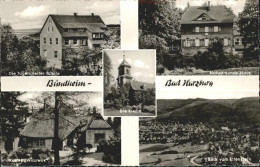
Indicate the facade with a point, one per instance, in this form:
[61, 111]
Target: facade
[69, 31]
[203, 25]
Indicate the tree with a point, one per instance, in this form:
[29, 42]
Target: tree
[18, 55]
[56, 139]
[13, 117]
[248, 23]
[159, 27]
[107, 71]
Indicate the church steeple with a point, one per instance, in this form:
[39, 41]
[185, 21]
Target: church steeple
[124, 72]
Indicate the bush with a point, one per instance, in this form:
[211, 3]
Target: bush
[160, 69]
[149, 109]
[112, 151]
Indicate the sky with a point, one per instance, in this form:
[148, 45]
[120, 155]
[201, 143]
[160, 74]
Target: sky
[35, 99]
[29, 14]
[236, 5]
[142, 63]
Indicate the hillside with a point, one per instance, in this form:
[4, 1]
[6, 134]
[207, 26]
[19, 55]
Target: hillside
[216, 111]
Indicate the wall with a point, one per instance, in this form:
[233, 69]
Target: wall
[51, 60]
[187, 29]
[90, 135]
[48, 143]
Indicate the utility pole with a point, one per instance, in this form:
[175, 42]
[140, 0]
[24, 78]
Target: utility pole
[56, 139]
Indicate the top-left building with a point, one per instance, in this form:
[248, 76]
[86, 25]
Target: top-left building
[69, 31]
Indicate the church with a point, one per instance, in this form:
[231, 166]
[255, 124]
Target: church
[124, 76]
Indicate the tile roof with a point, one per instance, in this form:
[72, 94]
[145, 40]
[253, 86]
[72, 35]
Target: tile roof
[137, 85]
[124, 63]
[92, 23]
[42, 125]
[99, 124]
[218, 14]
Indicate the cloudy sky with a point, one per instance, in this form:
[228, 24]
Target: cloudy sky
[236, 5]
[142, 63]
[32, 14]
[35, 99]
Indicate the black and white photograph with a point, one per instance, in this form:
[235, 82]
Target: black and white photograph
[58, 128]
[57, 38]
[201, 37]
[129, 82]
[202, 129]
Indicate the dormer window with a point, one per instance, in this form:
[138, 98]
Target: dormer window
[96, 35]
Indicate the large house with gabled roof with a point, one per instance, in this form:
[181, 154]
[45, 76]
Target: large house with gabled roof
[83, 130]
[69, 31]
[203, 25]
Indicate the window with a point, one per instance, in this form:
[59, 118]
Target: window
[75, 41]
[67, 41]
[41, 142]
[55, 54]
[225, 42]
[50, 21]
[206, 29]
[99, 137]
[57, 41]
[127, 71]
[45, 53]
[206, 42]
[215, 28]
[203, 18]
[83, 42]
[96, 35]
[48, 29]
[44, 40]
[202, 42]
[197, 42]
[197, 29]
[187, 42]
[51, 29]
[50, 40]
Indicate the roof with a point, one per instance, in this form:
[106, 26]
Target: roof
[93, 23]
[99, 124]
[217, 14]
[137, 85]
[124, 63]
[42, 125]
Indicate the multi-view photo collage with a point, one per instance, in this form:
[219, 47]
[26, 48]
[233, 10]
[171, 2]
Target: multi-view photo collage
[129, 83]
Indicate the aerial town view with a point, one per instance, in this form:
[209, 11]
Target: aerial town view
[199, 132]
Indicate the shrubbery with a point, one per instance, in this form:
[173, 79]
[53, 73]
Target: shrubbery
[112, 151]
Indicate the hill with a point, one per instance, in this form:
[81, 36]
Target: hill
[214, 112]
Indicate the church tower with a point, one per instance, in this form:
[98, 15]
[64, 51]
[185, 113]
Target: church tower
[124, 73]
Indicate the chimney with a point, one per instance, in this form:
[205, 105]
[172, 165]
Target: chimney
[75, 14]
[208, 5]
[92, 14]
[188, 4]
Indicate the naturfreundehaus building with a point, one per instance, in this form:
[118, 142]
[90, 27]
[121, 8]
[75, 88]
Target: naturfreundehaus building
[203, 25]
